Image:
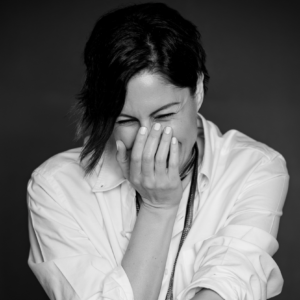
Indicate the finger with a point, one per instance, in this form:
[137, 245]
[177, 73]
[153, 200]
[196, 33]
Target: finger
[162, 152]
[122, 158]
[173, 169]
[150, 150]
[137, 152]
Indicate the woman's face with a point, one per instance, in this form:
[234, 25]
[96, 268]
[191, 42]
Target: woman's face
[150, 100]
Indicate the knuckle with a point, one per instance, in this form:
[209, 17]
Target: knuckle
[154, 135]
[175, 181]
[148, 184]
[172, 165]
[161, 185]
[121, 158]
[173, 184]
[134, 180]
[124, 160]
[135, 158]
[159, 160]
[147, 158]
[118, 159]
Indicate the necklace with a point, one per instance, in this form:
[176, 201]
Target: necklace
[189, 210]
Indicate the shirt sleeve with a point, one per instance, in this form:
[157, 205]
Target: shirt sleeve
[237, 261]
[62, 256]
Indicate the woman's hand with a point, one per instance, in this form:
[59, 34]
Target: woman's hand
[157, 182]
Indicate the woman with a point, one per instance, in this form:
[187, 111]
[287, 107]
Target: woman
[157, 204]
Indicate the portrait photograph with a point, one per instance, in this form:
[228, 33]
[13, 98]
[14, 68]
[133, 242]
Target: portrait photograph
[150, 150]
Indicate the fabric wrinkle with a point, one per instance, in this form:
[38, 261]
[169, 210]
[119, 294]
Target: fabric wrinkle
[79, 231]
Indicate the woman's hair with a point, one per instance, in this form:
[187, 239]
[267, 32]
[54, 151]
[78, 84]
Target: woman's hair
[124, 42]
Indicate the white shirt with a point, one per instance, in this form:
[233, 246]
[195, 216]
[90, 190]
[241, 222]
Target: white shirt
[80, 226]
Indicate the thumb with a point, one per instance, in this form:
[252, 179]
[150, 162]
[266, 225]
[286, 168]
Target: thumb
[122, 158]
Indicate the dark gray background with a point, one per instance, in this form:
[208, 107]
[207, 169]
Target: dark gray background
[253, 58]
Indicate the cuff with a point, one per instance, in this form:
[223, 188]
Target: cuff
[223, 288]
[117, 286]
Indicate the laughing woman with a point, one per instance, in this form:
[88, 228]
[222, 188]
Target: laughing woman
[158, 203]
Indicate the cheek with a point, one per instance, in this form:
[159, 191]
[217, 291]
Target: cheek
[126, 135]
[185, 131]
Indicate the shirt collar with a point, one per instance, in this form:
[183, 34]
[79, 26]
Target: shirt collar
[108, 174]
[209, 145]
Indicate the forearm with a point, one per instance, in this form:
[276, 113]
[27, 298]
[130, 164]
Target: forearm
[146, 255]
[206, 294]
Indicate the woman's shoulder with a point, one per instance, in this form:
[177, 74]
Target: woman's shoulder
[67, 162]
[249, 155]
[240, 160]
[239, 151]
[234, 141]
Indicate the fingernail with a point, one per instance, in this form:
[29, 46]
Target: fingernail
[143, 130]
[168, 130]
[156, 126]
[174, 140]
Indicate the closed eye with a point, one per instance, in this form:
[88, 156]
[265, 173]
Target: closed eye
[125, 122]
[131, 121]
[164, 116]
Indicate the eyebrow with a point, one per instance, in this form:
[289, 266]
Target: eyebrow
[156, 111]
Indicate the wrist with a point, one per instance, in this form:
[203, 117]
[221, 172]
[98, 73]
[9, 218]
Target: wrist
[160, 212]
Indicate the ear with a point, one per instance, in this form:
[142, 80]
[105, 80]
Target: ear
[199, 95]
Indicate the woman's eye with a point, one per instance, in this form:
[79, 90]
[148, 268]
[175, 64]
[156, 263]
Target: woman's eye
[125, 122]
[131, 122]
[164, 116]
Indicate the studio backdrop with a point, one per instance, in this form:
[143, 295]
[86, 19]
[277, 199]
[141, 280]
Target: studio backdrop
[253, 59]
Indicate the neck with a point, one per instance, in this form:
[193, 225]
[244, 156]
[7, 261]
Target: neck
[186, 173]
[189, 164]
[187, 179]
[185, 182]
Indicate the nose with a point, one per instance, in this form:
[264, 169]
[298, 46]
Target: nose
[148, 124]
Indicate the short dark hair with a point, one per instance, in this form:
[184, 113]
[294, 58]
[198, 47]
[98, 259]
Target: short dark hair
[124, 42]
